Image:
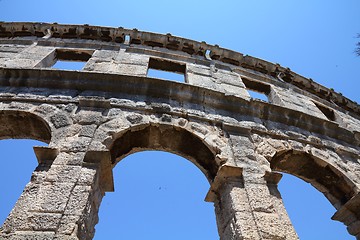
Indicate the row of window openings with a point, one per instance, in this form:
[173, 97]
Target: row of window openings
[159, 68]
[71, 60]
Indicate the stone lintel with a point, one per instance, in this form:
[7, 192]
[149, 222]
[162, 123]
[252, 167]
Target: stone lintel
[225, 172]
[103, 160]
[45, 154]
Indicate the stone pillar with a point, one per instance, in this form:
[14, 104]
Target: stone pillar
[63, 197]
[247, 202]
[272, 179]
[233, 211]
[249, 209]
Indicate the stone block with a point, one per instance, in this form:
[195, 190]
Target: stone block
[68, 224]
[60, 120]
[63, 173]
[53, 197]
[78, 199]
[44, 221]
[202, 81]
[87, 130]
[29, 235]
[130, 69]
[259, 198]
[270, 226]
[69, 158]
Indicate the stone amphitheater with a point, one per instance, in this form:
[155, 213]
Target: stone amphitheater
[93, 118]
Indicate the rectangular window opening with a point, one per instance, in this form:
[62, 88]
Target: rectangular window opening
[329, 113]
[163, 69]
[257, 90]
[127, 39]
[68, 65]
[70, 59]
[258, 95]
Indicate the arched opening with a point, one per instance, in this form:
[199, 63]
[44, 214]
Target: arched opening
[169, 139]
[20, 131]
[161, 209]
[310, 212]
[303, 195]
[157, 195]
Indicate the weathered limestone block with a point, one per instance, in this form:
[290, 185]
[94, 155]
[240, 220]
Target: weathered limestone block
[216, 79]
[29, 235]
[293, 100]
[127, 64]
[348, 121]
[69, 158]
[63, 173]
[53, 197]
[31, 56]
[243, 149]
[44, 221]
[101, 61]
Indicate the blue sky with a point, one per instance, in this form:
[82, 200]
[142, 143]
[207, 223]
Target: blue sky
[314, 38]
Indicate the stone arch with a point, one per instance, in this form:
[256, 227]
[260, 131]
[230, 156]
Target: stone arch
[17, 124]
[203, 145]
[175, 140]
[311, 164]
[318, 166]
[327, 178]
[321, 174]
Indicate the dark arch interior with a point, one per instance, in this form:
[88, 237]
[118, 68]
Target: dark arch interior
[168, 139]
[25, 125]
[323, 177]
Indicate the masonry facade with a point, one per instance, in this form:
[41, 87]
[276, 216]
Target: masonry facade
[94, 117]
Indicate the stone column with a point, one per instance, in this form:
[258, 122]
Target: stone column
[247, 202]
[267, 207]
[247, 208]
[272, 179]
[233, 211]
[63, 197]
[81, 212]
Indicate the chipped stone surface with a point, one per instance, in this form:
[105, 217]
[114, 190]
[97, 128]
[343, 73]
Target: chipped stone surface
[95, 117]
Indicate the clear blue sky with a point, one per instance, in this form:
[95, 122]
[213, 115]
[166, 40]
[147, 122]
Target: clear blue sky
[314, 38]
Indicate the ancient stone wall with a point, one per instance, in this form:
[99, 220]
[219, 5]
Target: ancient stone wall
[94, 117]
